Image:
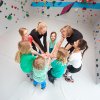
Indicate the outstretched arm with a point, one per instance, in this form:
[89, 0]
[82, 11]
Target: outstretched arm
[56, 47]
[68, 46]
[37, 46]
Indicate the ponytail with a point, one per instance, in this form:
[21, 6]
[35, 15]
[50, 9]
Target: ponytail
[84, 50]
[17, 57]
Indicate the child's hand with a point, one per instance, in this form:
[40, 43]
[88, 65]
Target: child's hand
[52, 55]
[47, 54]
[44, 55]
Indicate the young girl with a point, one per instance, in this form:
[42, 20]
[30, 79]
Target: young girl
[40, 68]
[24, 57]
[58, 65]
[26, 37]
[75, 59]
[52, 41]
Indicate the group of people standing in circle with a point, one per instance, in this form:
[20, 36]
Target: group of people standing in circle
[38, 59]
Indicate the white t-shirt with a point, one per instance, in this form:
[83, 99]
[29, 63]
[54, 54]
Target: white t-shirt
[75, 59]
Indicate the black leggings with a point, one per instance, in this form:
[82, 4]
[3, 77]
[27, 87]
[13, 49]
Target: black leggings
[71, 69]
[50, 77]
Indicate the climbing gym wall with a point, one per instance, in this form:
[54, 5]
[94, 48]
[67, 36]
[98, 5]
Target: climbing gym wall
[96, 33]
[12, 12]
[15, 12]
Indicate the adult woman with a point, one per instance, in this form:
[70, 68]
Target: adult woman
[37, 34]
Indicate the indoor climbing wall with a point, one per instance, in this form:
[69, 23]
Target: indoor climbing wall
[12, 13]
[84, 12]
[96, 33]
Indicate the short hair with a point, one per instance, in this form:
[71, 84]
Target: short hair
[39, 63]
[21, 31]
[25, 47]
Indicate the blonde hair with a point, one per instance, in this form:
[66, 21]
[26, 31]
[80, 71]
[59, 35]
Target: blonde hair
[62, 55]
[22, 31]
[41, 24]
[39, 63]
[69, 29]
[24, 47]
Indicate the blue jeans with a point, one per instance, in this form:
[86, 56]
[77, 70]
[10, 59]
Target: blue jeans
[43, 84]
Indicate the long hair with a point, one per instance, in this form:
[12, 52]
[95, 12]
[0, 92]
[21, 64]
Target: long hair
[53, 33]
[24, 47]
[39, 63]
[83, 45]
[62, 55]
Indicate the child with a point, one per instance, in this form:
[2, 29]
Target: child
[53, 54]
[26, 37]
[58, 65]
[40, 69]
[24, 57]
[52, 41]
[75, 59]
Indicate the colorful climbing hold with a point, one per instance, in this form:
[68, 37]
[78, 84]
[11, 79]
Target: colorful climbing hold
[9, 17]
[42, 12]
[67, 8]
[6, 27]
[27, 15]
[97, 74]
[1, 3]
[48, 15]
[48, 7]
[58, 14]
[96, 59]
[96, 65]
[22, 7]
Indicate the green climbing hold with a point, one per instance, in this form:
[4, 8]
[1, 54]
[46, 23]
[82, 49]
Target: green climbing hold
[48, 7]
[22, 7]
[9, 17]
[53, 2]
[27, 15]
